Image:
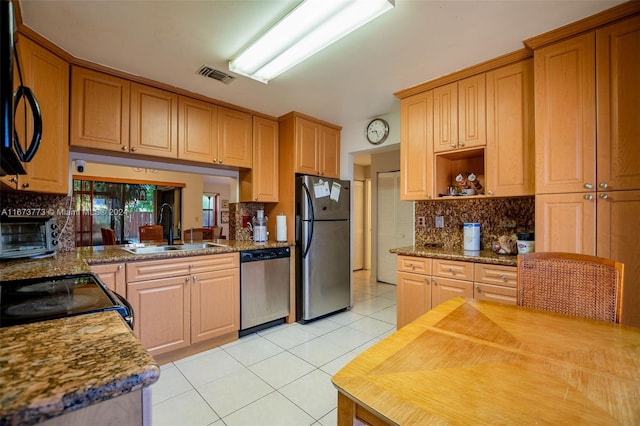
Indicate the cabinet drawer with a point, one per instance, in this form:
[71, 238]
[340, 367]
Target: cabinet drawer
[495, 293]
[415, 265]
[443, 289]
[453, 269]
[496, 274]
[163, 268]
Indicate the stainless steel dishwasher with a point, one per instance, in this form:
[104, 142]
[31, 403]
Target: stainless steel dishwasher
[264, 288]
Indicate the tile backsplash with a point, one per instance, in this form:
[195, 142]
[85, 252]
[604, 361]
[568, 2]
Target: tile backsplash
[59, 206]
[497, 216]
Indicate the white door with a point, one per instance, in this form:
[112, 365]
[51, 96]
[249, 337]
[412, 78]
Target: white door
[395, 224]
[358, 224]
[367, 224]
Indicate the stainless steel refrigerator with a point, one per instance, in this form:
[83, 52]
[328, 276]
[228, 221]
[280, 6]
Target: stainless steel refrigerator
[323, 278]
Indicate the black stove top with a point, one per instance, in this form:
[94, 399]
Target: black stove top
[41, 299]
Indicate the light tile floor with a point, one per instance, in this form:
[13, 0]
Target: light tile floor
[278, 376]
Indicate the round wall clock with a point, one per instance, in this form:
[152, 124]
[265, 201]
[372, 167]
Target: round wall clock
[377, 131]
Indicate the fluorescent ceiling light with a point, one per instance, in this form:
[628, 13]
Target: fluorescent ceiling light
[307, 29]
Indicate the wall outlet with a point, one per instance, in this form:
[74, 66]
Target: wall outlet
[439, 221]
[507, 223]
[421, 222]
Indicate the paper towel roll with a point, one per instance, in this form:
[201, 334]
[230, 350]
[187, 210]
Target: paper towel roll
[281, 228]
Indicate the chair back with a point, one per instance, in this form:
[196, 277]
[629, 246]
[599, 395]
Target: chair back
[108, 236]
[151, 233]
[573, 284]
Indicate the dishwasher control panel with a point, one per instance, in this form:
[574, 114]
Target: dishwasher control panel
[264, 254]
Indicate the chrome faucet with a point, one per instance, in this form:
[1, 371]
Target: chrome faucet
[170, 220]
[191, 239]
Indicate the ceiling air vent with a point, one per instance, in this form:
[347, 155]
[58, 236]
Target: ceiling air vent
[215, 74]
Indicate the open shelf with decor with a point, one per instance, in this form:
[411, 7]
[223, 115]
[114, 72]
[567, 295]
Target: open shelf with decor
[463, 163]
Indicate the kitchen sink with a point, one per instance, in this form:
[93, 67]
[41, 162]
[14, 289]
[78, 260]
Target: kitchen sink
[172, 248]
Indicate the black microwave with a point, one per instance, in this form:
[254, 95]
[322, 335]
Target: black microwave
[28, 236]
[12, 152]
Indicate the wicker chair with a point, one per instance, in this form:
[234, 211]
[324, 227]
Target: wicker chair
[108, 236]
[151, 233]
[573, 284]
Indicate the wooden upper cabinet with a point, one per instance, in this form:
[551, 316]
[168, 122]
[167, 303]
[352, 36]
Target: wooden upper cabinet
[99, 110]
[459, 114]
[260, 183]
[306, 144]
[565, 116]
[329, 155]
[510, 162]
[234, 138]
[416, 147]
[198, 130]
[471, 112]
[154, 121]
[445, 117]
[48, 77]
[618, 98]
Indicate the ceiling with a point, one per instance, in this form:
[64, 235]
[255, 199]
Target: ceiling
[350, 81]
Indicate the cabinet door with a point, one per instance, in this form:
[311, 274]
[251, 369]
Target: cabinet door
[261, 182]
[566, 223]
[161, 309]
[618, 89]
[329, 155]
[565, 116]
[154, 122]
[414, 297]
[445, 118]
[306, 150]
[416, 147]
[198, 130]
[618, 240]
[471, 112]
[48, 76]
[234, 138]
[443, 289]
[113, 276]
[99, 110]
[215, 304]
[510, 139]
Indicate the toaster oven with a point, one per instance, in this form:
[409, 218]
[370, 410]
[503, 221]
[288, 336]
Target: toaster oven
[27, 236]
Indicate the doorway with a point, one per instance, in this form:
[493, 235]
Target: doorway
[395, 224]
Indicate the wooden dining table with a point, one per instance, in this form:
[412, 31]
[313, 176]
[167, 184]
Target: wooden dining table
[474, 362]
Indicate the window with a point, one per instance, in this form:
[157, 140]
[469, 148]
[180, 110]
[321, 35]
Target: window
[210, 210]
[123, 207]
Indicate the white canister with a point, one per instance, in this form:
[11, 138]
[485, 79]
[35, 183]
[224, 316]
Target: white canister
[526, 242]
[281, 228]
[472, 236]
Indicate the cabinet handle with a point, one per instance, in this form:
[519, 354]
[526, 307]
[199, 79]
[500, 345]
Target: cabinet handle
[604, 196]
[452, 271]
[434, 281]
[461, 144]
[220, 161]
[604, 185]
[186, 280]
[502, 277]
[13, 180]
[453, 145]
[190, 265]
[588, 197]
[124, 148]
[215, 160]
[119, 267]
[195, 278]
[426, 281]
[134, 149]
[478, 288]
[490, 192]
[25, 185]
[588, 185]
[256, 199]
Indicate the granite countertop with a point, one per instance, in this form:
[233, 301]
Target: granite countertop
[482, 256]
[79, 260]
[53, 367]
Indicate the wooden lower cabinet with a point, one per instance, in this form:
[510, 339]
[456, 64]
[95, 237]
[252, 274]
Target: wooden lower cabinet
[424, 283]
[174, 309]
[113, 276]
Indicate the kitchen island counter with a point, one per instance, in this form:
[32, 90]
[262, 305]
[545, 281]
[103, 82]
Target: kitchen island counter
[52, 368]
[80, 259]
[482, 256]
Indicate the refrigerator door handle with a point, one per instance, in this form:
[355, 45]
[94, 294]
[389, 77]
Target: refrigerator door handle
[310, 221]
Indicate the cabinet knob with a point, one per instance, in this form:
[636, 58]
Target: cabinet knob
[134, 149]
[256, 199]
[215, 160]
[429, 196]
[461, 144]
[124, 148]
[186, 280]
[190, 265]
[588, 197]
[13, 180]
[588, 185]
[195, 278]
[434, 281]
[604, 185]
[453, 145]
[604, 196]
[489, 192]
[25, 185]
[452, 271]
[502, 277]
[119, 267]
[478, 288]
[220, 161]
